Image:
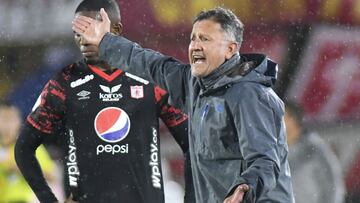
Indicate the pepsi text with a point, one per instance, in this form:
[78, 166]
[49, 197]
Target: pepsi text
[112, 149]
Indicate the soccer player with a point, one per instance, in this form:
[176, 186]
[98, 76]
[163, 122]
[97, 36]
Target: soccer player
[110, 119]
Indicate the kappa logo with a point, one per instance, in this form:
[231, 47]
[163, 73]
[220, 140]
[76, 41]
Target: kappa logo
[81, 81]
[110, 93]
[83, 95]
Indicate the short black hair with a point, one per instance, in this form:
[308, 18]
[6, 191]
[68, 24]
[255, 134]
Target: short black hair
[229, 22]
[110, 6]
[295, 110]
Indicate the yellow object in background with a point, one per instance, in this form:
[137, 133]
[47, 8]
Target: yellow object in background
[13, 186]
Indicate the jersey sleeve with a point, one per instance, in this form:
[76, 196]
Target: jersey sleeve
[174, 119]
[49, 108]
[170, 115]
[26, 144]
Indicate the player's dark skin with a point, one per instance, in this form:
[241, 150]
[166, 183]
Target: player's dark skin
[91, 52]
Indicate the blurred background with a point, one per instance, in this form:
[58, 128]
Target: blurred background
[315, 42]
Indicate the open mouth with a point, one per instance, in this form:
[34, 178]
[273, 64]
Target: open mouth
[198, 59]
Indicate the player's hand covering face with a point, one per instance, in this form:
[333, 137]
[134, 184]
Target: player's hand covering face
[92, 30]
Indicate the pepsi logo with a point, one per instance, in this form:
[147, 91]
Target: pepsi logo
[112, 124]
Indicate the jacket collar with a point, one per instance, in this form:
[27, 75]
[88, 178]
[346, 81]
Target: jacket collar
[224, 69]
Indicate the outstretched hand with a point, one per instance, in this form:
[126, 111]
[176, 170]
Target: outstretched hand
[238, 195]
[92, 30]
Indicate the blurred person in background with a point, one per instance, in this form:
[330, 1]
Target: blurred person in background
[237, 135]
[110, 120]
[55, 58]
[315, 169]
[353, 181]
[174, 192]
[13, 187]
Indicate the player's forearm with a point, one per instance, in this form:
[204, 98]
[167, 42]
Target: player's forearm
[122, 53]
[25, 148]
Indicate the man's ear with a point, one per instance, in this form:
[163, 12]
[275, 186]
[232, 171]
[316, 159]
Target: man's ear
[117, 28]
[232, 49]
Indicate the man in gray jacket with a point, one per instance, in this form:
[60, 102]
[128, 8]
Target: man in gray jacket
[237, 136]
[313, 163]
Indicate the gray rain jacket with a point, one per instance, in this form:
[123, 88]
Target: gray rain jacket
[236, 132]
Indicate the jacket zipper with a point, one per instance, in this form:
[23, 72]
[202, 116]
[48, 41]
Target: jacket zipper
[203, 114]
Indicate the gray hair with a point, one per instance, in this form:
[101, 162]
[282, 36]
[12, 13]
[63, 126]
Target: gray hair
[229, 22]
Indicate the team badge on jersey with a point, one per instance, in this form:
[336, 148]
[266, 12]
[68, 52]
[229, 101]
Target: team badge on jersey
[137, 92]
[112, 124]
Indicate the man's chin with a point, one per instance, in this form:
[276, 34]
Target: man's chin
[195, 71]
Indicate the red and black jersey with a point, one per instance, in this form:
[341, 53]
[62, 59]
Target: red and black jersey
[111, 124]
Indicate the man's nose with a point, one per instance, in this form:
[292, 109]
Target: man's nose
[195, 45]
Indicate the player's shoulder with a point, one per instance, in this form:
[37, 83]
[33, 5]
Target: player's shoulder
[71, 70]
[75, 68]
[137, 78]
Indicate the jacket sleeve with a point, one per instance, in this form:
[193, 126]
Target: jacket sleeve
[27, 143]
[256, 125]
[167, 72]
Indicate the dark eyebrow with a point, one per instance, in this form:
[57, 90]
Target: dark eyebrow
[204, 35]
